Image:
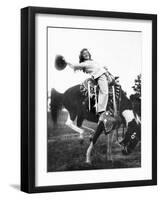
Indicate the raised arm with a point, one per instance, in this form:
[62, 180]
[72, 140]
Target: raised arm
[78, 66]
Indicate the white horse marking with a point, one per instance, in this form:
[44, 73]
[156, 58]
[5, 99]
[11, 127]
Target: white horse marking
[88, 154]
[90, 129]
[71, 124]
[128, 115]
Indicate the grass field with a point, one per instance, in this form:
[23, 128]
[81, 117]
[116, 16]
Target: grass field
[66, 153]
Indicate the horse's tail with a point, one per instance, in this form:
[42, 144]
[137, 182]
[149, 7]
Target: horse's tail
[55, 104]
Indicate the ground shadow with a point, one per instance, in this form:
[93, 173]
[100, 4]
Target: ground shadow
[15, 186]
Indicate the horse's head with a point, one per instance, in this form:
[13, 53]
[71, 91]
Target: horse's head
[133, 123]
[132, 136]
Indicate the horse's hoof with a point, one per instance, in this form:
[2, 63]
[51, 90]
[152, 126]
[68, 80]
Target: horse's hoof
[89, 163]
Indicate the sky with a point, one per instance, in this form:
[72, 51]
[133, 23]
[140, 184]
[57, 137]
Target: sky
[120, 51]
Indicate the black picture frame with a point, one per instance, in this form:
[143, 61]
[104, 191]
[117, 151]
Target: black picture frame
[28, 91]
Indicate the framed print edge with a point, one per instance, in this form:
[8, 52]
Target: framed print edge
[24, 101]
[154, 99]
[28, 73]
[27, 100]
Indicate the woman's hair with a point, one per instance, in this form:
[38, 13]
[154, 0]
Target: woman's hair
[81, 59]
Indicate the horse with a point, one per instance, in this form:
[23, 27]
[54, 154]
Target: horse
[76, 102]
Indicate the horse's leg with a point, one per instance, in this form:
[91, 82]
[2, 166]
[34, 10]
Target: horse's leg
[118, 137]
[99, 130]
[88, 153]
[79, 122]
[80, 119]
[109, 145]
[70, 123]
[89, 129]
[92, 131]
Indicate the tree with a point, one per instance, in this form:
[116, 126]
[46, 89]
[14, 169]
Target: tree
[136, 98]
[137, 86]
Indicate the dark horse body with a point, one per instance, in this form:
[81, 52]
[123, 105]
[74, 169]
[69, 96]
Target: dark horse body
[77, 105]
[74, 102]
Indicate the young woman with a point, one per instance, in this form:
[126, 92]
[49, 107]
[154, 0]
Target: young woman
[98, 73]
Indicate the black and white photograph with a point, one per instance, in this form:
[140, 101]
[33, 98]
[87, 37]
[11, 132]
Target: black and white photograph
[94, 99]
[91, 99]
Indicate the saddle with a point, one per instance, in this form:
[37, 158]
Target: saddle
[90, 89]
[111, 118]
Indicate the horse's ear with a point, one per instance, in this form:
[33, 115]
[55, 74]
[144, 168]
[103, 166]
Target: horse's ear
[60, 62]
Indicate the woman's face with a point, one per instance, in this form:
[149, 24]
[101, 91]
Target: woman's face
[86, 55]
